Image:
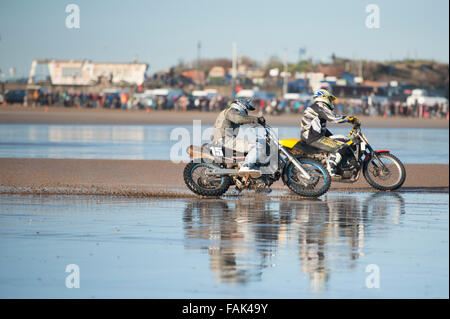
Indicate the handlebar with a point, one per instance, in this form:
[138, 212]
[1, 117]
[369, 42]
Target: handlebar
[356, 129]
[270, 133]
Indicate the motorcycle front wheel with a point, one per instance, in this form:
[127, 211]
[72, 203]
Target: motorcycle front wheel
[386, 176]
[319, 183]
[205, 185]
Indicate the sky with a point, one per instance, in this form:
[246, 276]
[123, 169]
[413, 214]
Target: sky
[163, 32]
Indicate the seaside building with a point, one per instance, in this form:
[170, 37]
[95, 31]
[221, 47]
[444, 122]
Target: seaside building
[82, 75]
[87, 73]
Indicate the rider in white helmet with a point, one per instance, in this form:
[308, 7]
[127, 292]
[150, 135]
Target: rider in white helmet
[314, 131]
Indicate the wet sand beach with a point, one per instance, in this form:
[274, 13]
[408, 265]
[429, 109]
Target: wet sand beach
[109, 215]
[12, 114]
[225, 248]
[143, 178]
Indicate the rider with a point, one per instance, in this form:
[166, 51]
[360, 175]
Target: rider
[314, 131]
[226, 129]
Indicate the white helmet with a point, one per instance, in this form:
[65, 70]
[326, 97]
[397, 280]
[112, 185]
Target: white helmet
[247, 103]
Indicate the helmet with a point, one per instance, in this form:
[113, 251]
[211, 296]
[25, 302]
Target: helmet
[325, 97]
[246, 103]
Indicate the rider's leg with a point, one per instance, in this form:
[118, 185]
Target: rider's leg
[342, 140]
[262, 153]
[254, 151]
[339, 138]
[333, 160]
[329, 145]
[240, 146]
[257, 153]
[243, 146]
[252, 155]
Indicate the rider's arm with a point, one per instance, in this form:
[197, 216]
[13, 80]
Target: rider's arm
[328, 133]
[327, 114]
[238, 118]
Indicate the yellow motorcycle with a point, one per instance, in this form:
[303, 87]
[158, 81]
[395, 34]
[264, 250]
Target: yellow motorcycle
[380, 168]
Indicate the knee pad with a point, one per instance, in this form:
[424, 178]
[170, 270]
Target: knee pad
[335, 158]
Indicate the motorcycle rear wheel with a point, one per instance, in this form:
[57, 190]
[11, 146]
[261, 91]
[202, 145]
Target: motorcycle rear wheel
[202, 184]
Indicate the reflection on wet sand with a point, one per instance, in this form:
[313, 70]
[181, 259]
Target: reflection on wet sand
[242, 236]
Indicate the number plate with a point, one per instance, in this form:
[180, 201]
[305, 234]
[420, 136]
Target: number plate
[216, 151]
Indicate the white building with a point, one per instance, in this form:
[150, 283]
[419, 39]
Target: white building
[420, 97]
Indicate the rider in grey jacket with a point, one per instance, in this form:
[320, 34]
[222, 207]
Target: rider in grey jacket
[226, 129]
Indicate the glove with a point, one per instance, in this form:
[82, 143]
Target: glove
[354, 120]
[261, 121]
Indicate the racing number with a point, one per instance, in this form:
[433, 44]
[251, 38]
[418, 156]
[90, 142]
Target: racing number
[216, 151]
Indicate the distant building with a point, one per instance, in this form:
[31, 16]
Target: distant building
[195, 75]
[71, 72]
[375, 84]
[421, 97]
[331, 70]
[217, 72]
[349, 78]
[355, 91]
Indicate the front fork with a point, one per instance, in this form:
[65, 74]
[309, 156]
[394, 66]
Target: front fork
[374, 154]
[296, 163]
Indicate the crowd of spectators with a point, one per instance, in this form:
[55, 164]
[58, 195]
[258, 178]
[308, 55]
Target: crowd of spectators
[395, 108]
[215, 103]
[81, 99]
[43, 98]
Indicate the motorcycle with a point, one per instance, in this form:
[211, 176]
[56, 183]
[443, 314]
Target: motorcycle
[213, 169]
[381, 169]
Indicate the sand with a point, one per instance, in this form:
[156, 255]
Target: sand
[157, 178]
[154, 178]
[12, 114]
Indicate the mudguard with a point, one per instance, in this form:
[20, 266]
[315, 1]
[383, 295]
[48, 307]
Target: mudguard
[367, 157]
[289, 142]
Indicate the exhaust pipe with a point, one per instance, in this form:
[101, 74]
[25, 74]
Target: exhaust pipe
[231, 171]
[222, 171]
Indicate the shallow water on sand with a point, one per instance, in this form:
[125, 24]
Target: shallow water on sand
[226, 248]
[153, 142]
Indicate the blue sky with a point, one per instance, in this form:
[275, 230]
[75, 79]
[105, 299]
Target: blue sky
[163, 32]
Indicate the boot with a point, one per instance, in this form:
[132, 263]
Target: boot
[247, 169]
[332, 164]
[332, 168]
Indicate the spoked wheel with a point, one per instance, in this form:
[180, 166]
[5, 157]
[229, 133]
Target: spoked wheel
[382, 205]
[316, 186]
[385, 172]
[206, 185]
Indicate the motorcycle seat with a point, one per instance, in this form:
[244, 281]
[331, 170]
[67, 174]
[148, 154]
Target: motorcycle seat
[307, 148]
